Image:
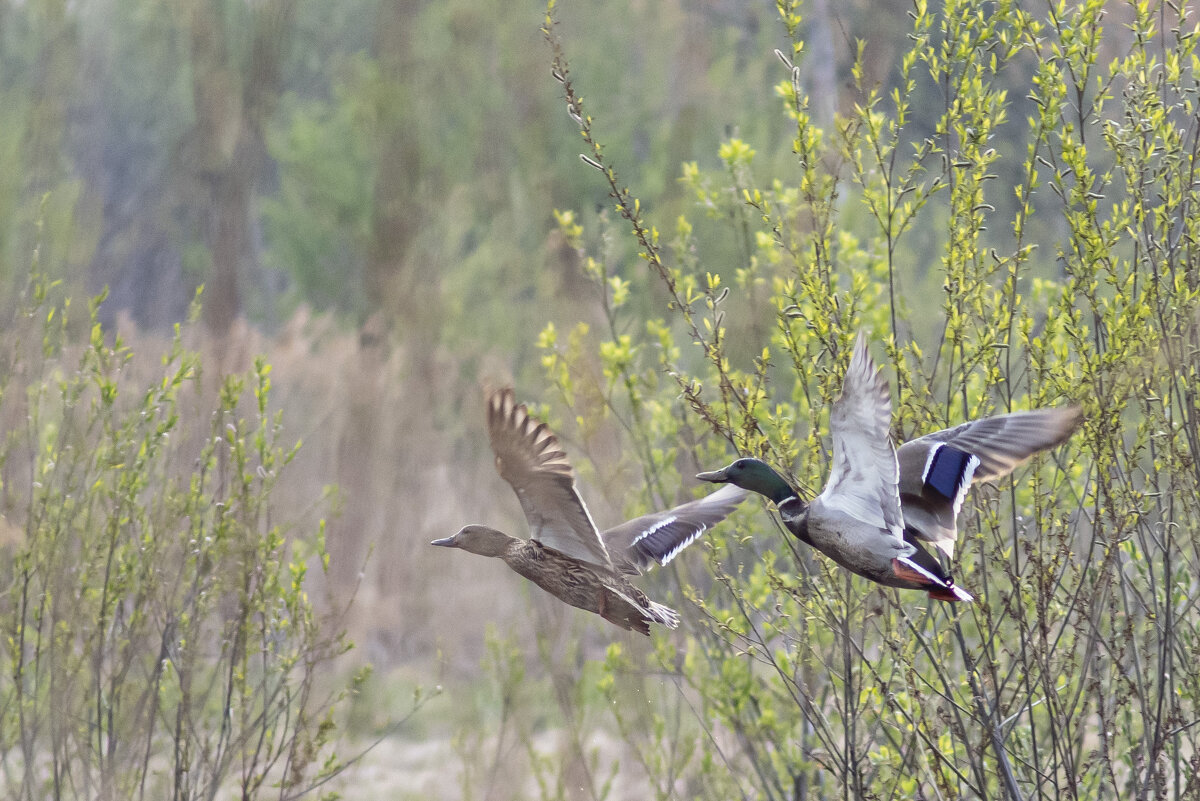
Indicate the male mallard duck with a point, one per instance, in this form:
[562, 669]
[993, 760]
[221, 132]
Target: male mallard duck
[565, 555]
[880, 504]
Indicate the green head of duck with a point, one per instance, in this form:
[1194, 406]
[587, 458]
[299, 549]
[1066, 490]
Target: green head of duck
[754, 475]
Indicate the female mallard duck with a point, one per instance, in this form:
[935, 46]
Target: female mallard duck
[565, 555]
[880, 504]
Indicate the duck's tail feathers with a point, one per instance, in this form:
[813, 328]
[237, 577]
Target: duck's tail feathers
[664, 615]
[929, 577]
[951, 593]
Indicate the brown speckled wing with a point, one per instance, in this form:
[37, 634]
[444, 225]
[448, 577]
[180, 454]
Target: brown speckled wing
[530, 459]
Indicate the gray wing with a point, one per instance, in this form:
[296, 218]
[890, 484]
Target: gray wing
[638, 544]
[1003, 442]
[938, 469]
[530, 459]
[862, 481]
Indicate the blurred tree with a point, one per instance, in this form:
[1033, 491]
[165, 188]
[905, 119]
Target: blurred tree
[134, 109]
[392, 281]
[317, 223]
[136, 144]
[40, 208]
[236, 54]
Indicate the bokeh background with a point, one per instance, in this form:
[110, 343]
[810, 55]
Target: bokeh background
[365, 190]
[379, 197]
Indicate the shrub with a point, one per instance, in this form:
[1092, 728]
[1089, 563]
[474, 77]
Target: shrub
[1013, 222]
[158, 639]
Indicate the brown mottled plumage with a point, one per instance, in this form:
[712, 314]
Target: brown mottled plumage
[566, 556]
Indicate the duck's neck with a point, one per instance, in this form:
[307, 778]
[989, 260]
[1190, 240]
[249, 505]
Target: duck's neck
[794, 513]
[782, 493]
[792, 509]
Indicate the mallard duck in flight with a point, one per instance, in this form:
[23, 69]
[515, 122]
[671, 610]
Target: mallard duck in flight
[881, 506]
[565, 555]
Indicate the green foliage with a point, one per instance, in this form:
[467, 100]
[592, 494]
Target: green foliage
[543, 716]
[483, 155]
[40, 197]
[1073, 675]
[319, 221]
[122, 115]
[158, 638]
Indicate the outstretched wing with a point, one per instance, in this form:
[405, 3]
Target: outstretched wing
[936, 470]
[636, 546]
[862, 481]
[1000, 443]
[530, 459]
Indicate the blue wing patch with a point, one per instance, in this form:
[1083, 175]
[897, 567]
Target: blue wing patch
[948, 472]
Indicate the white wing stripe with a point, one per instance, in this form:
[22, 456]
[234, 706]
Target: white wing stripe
[683, 544]
[929, 461]
[666, 521]
[964, 483]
